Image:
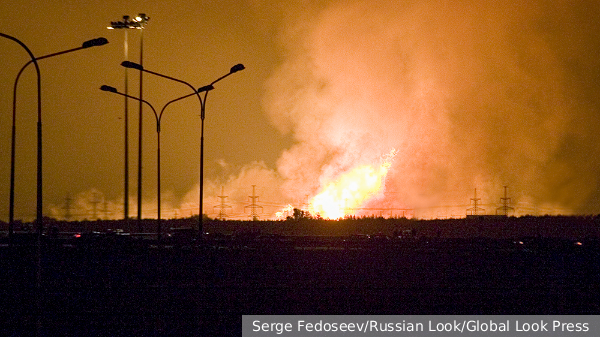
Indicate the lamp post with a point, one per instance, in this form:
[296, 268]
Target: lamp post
[39, 224]
[158, 117]
[204, 89]
[90, 43]
[39, 136]
[139, 22]
[117, 25]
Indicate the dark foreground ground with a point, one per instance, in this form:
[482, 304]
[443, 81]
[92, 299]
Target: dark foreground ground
[123, 287]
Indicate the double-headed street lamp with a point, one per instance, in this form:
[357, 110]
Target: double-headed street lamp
[39, 224]
[139, 22]
[90, 43]
[39, 206]
[158, 117]
[205, 89]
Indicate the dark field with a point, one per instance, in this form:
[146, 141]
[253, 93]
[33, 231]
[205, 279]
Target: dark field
[124, 285]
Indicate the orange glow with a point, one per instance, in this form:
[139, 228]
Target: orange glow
[286, 211]
[351, 190]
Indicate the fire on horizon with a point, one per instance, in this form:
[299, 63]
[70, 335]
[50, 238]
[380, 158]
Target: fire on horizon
[472, 94]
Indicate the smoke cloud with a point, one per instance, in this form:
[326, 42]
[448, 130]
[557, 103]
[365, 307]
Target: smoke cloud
[235, 185]
[472, 94]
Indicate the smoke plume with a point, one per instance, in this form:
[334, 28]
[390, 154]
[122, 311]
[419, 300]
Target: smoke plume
[471, 94]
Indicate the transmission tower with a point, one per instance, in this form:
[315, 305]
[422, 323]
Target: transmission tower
[306, 205]
[475, 209]
[505, 202]
[222, 206]
[68, 207]
[254, 206]
[95, 201]
[105, 209]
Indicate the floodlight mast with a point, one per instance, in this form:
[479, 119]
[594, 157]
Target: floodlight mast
[139, 22]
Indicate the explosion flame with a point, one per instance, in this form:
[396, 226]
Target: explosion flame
[351, 190]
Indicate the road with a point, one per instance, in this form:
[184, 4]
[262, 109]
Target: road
[110, 286]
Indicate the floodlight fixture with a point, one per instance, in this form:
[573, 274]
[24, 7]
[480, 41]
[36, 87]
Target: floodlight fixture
[139, 22]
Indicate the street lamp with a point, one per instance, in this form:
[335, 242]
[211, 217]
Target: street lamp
[158, 117]
[39, 139]
[139, 22]
[39, 224]
[87, 44]
[39, 207]
[205, 89]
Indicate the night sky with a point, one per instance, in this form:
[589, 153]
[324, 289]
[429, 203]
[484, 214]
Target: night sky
[470, 95]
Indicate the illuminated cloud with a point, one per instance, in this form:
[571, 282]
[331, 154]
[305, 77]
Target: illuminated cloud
[472, 95]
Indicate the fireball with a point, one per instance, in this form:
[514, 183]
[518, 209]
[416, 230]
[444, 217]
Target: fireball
[351, 190]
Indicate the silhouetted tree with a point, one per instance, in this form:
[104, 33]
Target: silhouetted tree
[299, 214]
